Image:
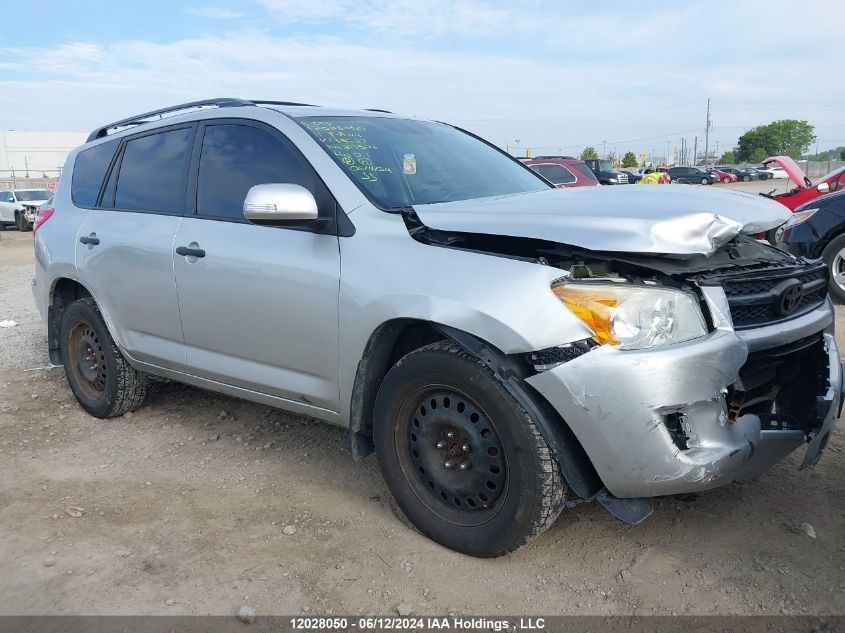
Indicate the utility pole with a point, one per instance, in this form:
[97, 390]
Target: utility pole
[695, 152]
[717, 152]
[667, 152]
[707, 135]
[604, 149]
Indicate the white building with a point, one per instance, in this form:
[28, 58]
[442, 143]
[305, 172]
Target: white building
[36, 154]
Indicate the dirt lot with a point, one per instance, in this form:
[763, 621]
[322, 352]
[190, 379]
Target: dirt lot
[185, 504]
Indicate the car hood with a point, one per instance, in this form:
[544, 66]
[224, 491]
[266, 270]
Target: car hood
[672, 219]
[791, 168]
[33, 203]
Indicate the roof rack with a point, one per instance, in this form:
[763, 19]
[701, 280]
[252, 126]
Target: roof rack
[140, 119]
[281, 103]
[377, 110]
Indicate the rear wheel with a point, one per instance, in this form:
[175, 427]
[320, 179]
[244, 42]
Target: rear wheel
[834, 257]
[746, 179]
[104, 383]
[464, 461]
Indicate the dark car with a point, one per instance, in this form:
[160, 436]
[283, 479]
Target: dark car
[762, 174]
[606, 174]
[690, 176]
[817, 229]
[746, 174]
[633, 178]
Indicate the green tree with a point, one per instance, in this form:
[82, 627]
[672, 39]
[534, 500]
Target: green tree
[788, 137]
[842, 155]
[589, 153]
[613, 159]
[728, 158]
[758, 155]
[630, 160]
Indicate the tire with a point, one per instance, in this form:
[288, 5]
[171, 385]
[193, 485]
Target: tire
[487, 489]
[705, 181]
[20, 222]
[834, 257]
[104, 383]
[726, 180]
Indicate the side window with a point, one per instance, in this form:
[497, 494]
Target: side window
[841, 183]
[152, 172]
[234, 158]
[89, 169]
[557, 174]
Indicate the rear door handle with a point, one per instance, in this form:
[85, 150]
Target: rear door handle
[187, 251]
[91, 240]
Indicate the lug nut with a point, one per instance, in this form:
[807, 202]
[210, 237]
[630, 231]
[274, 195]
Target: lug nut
[450, 434]
[440, 444]
[464, 448]
[447, 465]
[464, 466]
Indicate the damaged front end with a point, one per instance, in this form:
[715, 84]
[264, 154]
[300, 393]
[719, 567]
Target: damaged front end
[758, 377]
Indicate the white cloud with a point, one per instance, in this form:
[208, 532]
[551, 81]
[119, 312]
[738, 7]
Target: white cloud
[214, 13]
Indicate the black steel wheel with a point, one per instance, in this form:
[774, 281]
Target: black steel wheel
[454, 452]
[104, 383]
[464, 461]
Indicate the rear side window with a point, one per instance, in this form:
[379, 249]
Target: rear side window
[153, 172]
[234, 158]
[89, 169]
[558, 174]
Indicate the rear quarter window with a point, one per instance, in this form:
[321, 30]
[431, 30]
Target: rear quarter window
[89, 169]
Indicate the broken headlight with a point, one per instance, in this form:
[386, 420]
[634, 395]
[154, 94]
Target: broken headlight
[633, 317]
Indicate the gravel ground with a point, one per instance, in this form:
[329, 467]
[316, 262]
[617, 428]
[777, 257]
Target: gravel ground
[198, 504]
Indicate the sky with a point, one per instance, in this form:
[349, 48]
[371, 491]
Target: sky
[554, 76]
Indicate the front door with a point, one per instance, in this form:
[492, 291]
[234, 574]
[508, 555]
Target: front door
[259, 304]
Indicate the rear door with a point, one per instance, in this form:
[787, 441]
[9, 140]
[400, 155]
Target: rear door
[125, 246]
[260, 306]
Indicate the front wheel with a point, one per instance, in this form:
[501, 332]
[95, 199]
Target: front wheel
[464, 461]
[21, 223]
[726, 180]
[705, 181]
[104, 383]
[834, 257]
[746, 179]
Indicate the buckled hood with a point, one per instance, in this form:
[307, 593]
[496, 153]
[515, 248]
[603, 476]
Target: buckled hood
[669, 219]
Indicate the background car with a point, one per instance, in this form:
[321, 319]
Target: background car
[763, 174]
[805, 190]
[776, 171]
[817, 229]
[690, 176]
[563, 171]
[723, 176]
[18, 207]
[606, 173]
[633, 178]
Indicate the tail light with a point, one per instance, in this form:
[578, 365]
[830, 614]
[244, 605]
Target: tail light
[41, 218]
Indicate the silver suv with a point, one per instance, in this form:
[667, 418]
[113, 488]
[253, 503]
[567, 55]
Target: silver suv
[507, 349]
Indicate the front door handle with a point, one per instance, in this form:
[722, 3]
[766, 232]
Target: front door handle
[187, 251]
[90, 240]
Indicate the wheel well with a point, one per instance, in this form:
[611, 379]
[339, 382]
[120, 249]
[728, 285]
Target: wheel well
[390, 342]
[65, 291]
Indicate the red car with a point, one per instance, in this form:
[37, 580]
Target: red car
[805, 190]
[563, 171]
[723, 176]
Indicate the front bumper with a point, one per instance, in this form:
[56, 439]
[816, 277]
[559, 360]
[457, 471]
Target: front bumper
[618, 402]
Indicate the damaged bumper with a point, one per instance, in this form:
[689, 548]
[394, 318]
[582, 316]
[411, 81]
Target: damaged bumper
[666, 421]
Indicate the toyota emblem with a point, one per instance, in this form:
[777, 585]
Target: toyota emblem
[789, 297]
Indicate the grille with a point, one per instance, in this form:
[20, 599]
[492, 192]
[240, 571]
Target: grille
[623, 179]
[757, 299]
[550, 357]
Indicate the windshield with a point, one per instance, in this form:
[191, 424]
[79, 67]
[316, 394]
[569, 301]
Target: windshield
[29, 196]
[400, 163]
[605, 165]
[830, 175]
